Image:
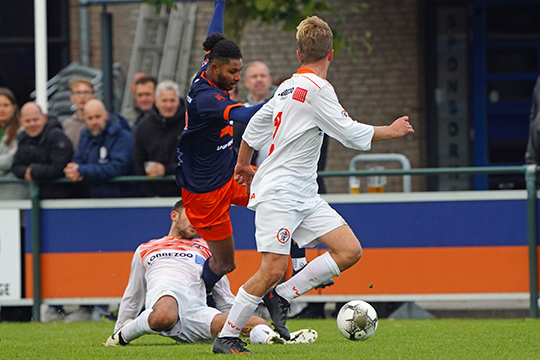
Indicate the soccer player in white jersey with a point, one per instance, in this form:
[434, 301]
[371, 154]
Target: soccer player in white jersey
[284, 190]
[166, 280]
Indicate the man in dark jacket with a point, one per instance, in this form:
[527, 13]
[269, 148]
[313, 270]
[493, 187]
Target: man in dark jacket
[156, 139]
[105, 150]
[43, 152]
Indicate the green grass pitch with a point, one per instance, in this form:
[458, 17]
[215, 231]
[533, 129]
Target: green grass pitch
[394, 339]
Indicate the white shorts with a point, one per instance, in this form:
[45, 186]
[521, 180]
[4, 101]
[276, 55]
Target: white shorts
[279, 221]
[195, 317]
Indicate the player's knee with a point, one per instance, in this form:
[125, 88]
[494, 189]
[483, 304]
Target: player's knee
[350, 256]
[272, 269]
[226, 267]
[162, 321]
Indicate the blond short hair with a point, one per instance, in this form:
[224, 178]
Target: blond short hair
[314, 39]
[78, 80]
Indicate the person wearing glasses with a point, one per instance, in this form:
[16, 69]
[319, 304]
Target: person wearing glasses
[82, 90]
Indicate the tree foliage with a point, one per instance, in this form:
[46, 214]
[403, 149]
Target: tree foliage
[288, 13]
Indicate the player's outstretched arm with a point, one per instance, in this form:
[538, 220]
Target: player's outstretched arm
[400, 127]
[243, 113]
[216, 23]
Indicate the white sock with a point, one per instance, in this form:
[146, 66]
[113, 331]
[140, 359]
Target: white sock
[322, 268]
[138, 327]
[298, 263]
[244, 306]
[261, 333]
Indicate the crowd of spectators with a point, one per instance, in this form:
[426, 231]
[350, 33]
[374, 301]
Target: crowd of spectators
[93, 144]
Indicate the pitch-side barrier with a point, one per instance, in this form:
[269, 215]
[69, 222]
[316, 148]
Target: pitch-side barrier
[461, 245]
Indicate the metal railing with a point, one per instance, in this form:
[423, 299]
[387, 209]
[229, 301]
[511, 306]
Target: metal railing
[529, 172]
[402, 159]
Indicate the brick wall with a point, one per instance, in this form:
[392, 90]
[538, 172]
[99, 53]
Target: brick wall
[124, 22]
[376, 87]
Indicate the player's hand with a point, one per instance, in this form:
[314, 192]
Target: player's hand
[243, 174]
[401, 126]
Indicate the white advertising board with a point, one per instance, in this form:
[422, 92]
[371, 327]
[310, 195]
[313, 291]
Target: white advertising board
[10, 255]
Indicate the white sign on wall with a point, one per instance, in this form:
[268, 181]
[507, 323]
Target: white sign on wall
[10, 254]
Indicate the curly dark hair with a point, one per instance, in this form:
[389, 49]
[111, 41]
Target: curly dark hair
[221, 48]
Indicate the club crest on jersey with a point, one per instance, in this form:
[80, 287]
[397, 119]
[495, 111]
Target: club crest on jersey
[219, 97]
[199, 260]
[283, 235]
[344, 114]
[299, 94]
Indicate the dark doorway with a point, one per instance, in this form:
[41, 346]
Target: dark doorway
[511, 46]
[17, 65]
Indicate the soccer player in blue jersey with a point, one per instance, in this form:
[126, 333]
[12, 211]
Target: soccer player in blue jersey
[206, 155]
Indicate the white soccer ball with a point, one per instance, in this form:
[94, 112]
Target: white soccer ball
[357, 320]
